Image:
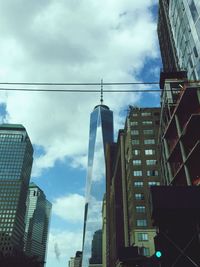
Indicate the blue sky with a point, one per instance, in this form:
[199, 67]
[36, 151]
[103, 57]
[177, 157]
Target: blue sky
[72, 41]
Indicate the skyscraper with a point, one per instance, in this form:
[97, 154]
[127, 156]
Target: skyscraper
[96, 255]
[166, 40]
[37, 223]
[101, 132]
[16, 157]
[179, 36]
[142, 172]
[132, 168]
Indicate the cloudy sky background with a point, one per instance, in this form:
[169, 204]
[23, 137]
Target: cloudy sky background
[72, 41]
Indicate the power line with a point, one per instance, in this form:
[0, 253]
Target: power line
[32, 89]
[79, 91]
[78, 84]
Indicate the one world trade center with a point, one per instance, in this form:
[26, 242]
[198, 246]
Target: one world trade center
[101, 132]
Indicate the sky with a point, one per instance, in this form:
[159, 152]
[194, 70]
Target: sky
[77, 41]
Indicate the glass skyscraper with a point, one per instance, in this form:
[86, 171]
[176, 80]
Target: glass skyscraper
[101, 132]
[37, 223]
[184, 17]
[16, 157]
[179, 36]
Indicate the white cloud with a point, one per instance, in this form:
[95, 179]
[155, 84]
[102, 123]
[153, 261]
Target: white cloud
[62, 246]
[70, 41]
[70, 208]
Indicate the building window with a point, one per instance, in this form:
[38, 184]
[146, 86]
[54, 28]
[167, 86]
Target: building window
[141, 222]
[135, 142]
[143, 237]
[152, 173]
[137, 162]
[134, 123]
[134, 132]
[138, 184]
[151, 162]
[149, 152]
[137, 173]
[144, 114]
[136, 152]
[139, 196]
[147, 122]
[148, 132]
[193, 10]
[140, 209]
[134, 114]
[153, 183]
[149, 141]
[145, 251]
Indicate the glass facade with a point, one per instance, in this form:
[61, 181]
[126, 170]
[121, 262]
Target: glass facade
[167, 46]
[16, 157]
[184, 18]
[37, 223]
[101, 132]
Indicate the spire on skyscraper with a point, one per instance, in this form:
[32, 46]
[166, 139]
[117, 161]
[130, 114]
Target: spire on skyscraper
[101, 100]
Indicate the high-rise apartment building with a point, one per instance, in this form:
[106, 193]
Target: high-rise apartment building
[179, 36]
[132, 168]
[142, 171]
[101, 132]
[37, 223]
[166, 40]
[16, 157]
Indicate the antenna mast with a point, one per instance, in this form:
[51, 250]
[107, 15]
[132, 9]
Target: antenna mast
[101, 100]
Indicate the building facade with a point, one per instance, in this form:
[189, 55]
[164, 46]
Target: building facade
[116, 210]
[132, 167]
[166, 40]
[142, 172]
[75, 261]
[37, 223]
[96, 255]
[101, 132]
[104, 232]
[179, 36]
[16, 157]
[179, 134]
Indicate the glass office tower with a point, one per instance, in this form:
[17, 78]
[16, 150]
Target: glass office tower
[179, 36]
[37, 223]
[184, 17]
[101, 132]
[16, 157]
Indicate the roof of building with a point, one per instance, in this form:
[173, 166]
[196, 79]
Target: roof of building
[7, 126]
[102, 106]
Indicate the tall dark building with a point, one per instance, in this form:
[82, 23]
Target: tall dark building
[179, 36]
[101, 132]
[115, 204]
[96, 256]
[16, 157]
[37, 223]
[166, 40]
[132, 168]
